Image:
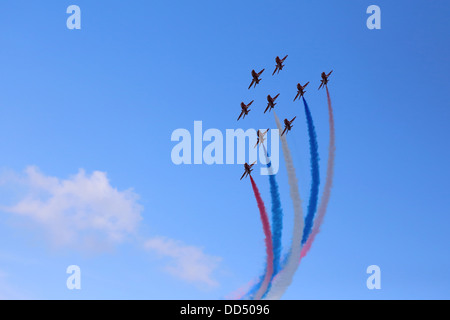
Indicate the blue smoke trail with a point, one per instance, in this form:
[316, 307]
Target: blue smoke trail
[277, 217]
[277, 229]
[277, 223]
[315, 174]
[255, 288]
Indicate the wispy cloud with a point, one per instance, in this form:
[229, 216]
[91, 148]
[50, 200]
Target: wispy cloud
[186, 262]
[87, 213]
[83, 210]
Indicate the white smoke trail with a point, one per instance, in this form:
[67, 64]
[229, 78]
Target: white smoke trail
[284, 278]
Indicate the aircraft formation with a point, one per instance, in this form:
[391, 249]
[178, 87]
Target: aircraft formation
[256, 78]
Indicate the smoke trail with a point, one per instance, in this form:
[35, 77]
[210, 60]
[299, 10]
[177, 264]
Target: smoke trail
[277, 229]
[315, 174]
[284, 278]
[328, 184]
[277, 217]
[268, 241]
[277, 220]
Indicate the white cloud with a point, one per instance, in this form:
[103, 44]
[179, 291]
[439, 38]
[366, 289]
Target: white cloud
[189, 263]
[86, 213]
[83, 210]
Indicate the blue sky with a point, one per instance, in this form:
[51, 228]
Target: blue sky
[106, 99]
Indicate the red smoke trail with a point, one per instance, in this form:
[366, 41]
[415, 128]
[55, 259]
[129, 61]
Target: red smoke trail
[268, 241]
[328, 184]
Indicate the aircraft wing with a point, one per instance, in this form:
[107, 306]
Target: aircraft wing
[253, 81]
